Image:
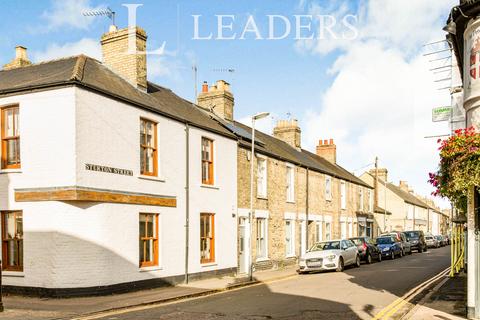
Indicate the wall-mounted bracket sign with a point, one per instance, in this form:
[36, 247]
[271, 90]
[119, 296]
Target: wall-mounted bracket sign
[442, 114]
[95, 167]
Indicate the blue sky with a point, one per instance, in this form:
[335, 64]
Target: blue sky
[372, 94]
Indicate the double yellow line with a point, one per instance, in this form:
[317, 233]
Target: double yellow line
[398, 304]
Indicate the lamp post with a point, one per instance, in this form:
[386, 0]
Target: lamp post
[258, 116]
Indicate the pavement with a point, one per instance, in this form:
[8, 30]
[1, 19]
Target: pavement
[25, 308]
[446, 301]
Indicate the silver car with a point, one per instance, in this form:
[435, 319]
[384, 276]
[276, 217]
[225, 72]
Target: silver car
[432, 242]
[329, 255]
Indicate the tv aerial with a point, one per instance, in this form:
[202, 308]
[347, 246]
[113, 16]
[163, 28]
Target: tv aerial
[107, 12]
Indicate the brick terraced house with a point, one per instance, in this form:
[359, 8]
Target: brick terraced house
[109, 182]
[298, 194]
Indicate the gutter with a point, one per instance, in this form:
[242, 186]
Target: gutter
[28, 89]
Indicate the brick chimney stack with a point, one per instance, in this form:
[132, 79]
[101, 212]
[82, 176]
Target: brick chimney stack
[404, 185]
[328, 150]
[130, 64]
[21, 59]
[218, 98]
[382, 174]
[289, 131]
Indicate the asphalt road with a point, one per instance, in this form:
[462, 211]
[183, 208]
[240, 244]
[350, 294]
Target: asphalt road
[355, 294]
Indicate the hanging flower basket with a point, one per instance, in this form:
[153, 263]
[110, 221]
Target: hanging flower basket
[459, 168]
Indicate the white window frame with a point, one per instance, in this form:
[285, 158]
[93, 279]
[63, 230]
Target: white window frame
[264, 235]
[343, 195]
[361, 199]
[328, 230]
[370, 200]
[262, 179]
[328, 188]
[410, 211]
[319, 231]
[290, 245]
[290, 180]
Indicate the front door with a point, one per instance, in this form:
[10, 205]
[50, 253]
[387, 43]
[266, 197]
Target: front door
[242, 250]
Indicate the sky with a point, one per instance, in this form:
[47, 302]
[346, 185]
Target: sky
[366, 84]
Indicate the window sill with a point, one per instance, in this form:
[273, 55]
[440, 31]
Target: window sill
[147, 269]
[291, 201]
[209, 264]
[19, 274]
[152, 178]
[290, 256]
[262, 197]
[262, 259]
[10, 171]
[209, 186]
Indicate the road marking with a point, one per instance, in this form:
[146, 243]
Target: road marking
[103, 314]
[392, 308]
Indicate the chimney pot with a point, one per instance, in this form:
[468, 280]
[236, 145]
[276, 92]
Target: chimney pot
[326, 149]
[205, 86]
[217, 98]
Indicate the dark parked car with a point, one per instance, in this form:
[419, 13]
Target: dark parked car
[417, 240]
[389, 246]
[402, 238]
[367, 249]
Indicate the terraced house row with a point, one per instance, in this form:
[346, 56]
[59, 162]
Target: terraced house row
[112, 183]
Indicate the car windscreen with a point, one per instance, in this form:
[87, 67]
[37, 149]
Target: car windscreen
[384, 241]
[412, 235]
[357, 241]
[330, 245]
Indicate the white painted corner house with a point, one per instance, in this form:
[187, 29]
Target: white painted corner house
[110, 183]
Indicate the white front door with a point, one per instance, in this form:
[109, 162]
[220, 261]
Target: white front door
[243, 245]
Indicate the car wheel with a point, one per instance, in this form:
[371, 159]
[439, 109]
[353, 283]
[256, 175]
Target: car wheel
[393, 255]
[340, 266]
[379, 257]
[420, 249]
[410, 252]
[358, 263]
[369, 258]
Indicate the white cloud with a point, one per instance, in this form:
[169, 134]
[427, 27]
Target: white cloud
[67, 13]
[87, 46]
[380, 101]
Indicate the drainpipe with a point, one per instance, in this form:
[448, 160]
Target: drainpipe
[187, 198]
[414, 217]
[306, 214]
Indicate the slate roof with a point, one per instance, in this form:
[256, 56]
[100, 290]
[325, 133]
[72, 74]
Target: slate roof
[279, 149]
[89, 73]
[405, 196]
